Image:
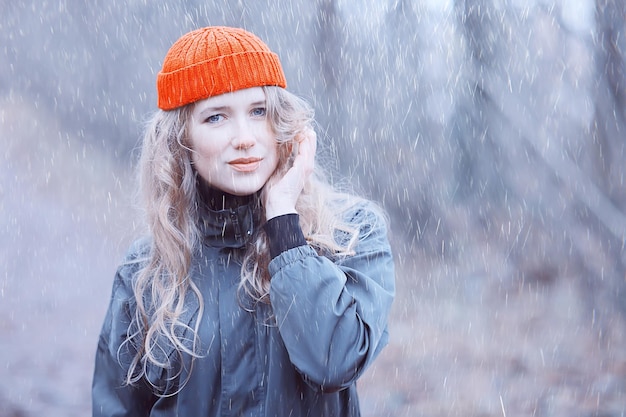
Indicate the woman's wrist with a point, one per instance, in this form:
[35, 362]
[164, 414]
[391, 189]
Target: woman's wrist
[272, 211]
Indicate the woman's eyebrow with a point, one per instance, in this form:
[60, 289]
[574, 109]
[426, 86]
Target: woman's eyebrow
[214, 109]
[224, 108]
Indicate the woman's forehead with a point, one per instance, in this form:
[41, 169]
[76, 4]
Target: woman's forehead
[248, 95]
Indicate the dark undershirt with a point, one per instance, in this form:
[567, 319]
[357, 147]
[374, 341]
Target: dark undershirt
[284, 233]
[219, 200]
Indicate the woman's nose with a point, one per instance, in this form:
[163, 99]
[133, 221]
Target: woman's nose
[243, 136]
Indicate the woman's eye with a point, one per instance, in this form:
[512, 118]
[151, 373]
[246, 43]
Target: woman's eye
[258, 112]
[215, 118]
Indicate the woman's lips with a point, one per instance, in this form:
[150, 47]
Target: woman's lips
[245, 164]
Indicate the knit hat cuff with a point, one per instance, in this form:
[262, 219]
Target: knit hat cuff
[217, 76]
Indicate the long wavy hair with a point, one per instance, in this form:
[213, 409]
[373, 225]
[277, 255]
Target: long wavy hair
[170, 198]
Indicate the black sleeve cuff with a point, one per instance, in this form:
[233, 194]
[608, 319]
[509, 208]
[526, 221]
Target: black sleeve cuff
[284, 233]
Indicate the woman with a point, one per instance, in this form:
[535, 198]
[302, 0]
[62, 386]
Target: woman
[260, 290]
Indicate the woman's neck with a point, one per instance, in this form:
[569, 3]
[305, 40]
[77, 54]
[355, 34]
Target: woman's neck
[216, 199]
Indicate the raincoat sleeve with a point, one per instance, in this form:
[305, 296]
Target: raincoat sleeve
[110, 395]
[332, 314]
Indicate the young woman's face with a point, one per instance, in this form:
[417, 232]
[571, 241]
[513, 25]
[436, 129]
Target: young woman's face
[234, 149]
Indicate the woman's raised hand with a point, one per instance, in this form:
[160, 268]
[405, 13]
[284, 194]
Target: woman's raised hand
[280, 194]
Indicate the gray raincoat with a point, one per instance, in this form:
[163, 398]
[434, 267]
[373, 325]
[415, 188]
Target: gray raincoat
[301, 356]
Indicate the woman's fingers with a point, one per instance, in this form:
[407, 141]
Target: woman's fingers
[281, 194]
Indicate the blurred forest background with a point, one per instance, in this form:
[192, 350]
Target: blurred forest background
[493, 132]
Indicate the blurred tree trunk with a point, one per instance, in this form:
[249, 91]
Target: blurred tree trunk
[328, 43]
[329, 56]
[475, 128]
[328, 47]
[609, 129]
[610, 98]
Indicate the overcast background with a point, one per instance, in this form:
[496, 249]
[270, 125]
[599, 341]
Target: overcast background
[493, 132]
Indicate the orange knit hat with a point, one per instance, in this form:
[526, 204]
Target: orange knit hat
[215, 60]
